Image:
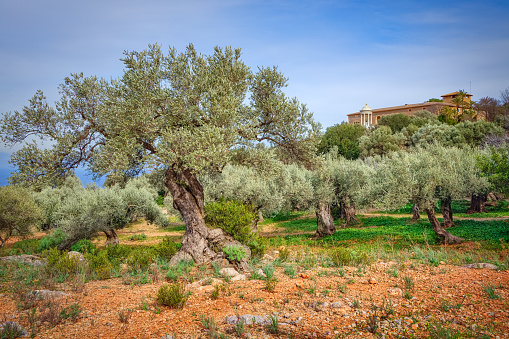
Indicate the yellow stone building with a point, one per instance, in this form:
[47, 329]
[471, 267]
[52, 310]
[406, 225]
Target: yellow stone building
[369, 117]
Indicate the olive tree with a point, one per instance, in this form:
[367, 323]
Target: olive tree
[426, 176]
[82, 212]
[18, 212]
[242, 183]
[342, 182]
[352, 180]
[493, 162]
[345, 137]
[180, 112]
[381, 141]
[89, 211]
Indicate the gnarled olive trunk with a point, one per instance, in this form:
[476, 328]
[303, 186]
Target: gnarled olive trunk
[324, 221]
[477, 203]
[198, 243]
[111, 238]
[446, 209]
[445, 236]
[416, 215]
[348, 213]
[258, 218]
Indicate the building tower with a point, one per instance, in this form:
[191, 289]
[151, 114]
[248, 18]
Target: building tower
[366, 116]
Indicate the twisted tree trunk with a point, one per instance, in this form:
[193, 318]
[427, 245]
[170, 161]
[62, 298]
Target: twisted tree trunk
[445, 236]
[416, 215]
[111, 238]
[198, 243]
[446, 209]
[477, 203]
[348, 211]
[324, 221]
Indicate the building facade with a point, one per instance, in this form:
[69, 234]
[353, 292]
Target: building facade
[369, 117]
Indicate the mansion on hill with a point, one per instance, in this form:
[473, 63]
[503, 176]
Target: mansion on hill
[369, 117]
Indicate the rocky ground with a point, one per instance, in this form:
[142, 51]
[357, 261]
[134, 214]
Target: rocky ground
[386, 299]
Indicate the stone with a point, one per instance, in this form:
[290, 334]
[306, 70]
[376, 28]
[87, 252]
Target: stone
[481, 265]
[261, 320]
[228, 271]
[26, 258]
[47, 294]
[395, 292]
[260, 273]
[205, 289]
[78, 256]
[232, 320]
[336, 304]
[372, 281]
[239, 277]
[168, 336]
[11, 325]
[248, 319]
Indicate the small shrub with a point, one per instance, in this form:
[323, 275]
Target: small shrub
[172, 295]
[166, 248]
[341, 256]
[183, 267]
[284, 254]
[60, 263]
[235, 252]
[118, 253]
[140, 259]
[240, 327]
[83, 246]
[208, 322]
[217, 268]
[490, 291]
[11, 330]
[409, 282]
[52, 240]
[270, 284]
[273, 326]
[232, 216]
[27, 246]
[138, 237]
[124, 315]
[23, 295]
[393, 272]
[356, 303]
[309, 261]
[290, 271]
[71, 312]
[258, 246]
[51, 313]
[100, 264]
[438, 331]
[268, 270]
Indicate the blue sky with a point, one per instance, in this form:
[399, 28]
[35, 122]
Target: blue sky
[338, 55]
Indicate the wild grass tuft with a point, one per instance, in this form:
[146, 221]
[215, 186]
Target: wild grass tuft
[172, 295]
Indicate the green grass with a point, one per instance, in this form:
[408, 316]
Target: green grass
[403, 232]
[459, 209]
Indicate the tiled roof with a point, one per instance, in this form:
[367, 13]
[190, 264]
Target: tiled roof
[395, 108]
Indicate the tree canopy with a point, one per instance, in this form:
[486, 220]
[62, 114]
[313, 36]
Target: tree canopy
[181, 112]
[345, 137]
[18, 212]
